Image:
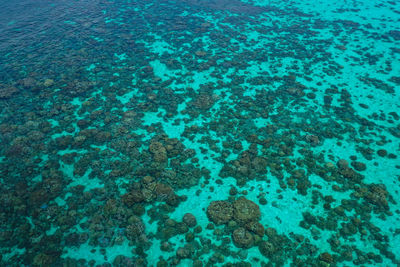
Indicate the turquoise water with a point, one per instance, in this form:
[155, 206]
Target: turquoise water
[199, 133]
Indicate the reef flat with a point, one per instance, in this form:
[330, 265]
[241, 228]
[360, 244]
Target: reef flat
[199, 133]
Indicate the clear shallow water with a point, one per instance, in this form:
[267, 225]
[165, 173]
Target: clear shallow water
[274, 124]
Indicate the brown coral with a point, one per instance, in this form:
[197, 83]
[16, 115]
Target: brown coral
[242, 238]
[245, 210]
[220, 212]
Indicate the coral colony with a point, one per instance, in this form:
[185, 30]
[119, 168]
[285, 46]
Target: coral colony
[197, 133]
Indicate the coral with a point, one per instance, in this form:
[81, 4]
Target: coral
[245, 211]
[242, 238]
[220, 212]
[7, 91]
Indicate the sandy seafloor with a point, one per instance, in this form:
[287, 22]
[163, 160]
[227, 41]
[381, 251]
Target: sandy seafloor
[296, 85]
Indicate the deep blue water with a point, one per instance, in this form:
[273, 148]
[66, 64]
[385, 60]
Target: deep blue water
[199, 133]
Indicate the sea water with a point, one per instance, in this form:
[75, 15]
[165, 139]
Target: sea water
[199, 133]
